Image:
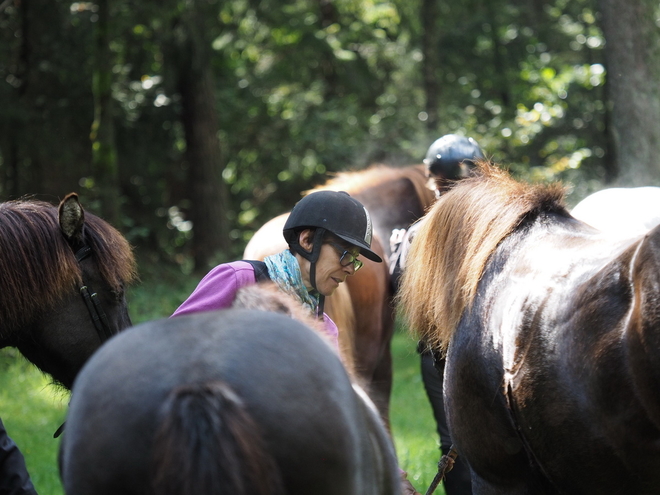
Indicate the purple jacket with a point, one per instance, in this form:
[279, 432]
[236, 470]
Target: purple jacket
[218, 288]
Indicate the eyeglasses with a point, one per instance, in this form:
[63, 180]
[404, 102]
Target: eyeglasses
[347, 257]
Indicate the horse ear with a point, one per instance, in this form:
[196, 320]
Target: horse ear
[71, 217]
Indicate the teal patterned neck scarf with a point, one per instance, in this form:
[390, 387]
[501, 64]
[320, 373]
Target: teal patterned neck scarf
[284, 270]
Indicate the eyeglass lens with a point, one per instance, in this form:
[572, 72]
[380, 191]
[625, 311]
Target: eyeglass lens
[347, 257]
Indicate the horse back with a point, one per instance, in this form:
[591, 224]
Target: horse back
[395, 204]
[287, 378]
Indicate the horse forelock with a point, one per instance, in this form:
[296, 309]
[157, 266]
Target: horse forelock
[37, 265]
[451, 249]
[114, 254]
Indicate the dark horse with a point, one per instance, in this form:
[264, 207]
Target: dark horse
[552, 332]
[62, 279]
[361, 307]
[234, 401]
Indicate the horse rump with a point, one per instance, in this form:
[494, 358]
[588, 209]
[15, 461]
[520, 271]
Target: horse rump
[206, 443]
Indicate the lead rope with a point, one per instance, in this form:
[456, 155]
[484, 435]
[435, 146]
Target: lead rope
[445, 465]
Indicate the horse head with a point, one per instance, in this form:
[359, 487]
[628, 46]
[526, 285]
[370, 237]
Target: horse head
[62, 290]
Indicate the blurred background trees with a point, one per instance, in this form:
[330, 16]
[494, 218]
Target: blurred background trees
[190, 123]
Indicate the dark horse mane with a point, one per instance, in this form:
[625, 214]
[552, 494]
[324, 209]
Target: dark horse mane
[357, 180]
[455, 242]
[38, 266]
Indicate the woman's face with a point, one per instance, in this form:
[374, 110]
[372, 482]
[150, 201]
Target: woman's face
[329, 272]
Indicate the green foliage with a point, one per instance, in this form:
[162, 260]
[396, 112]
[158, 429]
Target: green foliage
[303, 89]
[412, 422]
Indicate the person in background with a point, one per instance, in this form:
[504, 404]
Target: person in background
[449, 159]
[326, 233]
[14, 476]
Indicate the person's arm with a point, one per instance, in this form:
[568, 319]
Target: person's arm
[217, 289]
[14, 477]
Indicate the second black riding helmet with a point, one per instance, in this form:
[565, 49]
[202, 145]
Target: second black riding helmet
[452, 156]
[333, 211]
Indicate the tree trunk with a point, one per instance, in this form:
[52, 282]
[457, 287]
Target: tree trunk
[431, 33]
[633, 70]
[200, 122]
[104, 152]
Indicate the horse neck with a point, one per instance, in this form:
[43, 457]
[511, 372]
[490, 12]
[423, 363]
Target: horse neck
[453, 246]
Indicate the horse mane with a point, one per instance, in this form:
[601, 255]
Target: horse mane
[451, 248]
[38, 266]
[355, 181]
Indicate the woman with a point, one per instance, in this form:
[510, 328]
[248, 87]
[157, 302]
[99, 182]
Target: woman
[326, 232]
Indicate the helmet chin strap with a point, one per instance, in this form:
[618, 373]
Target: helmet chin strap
[313, 256]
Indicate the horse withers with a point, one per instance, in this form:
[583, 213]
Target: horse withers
[63, 275]
[232, 401]
[552, 334]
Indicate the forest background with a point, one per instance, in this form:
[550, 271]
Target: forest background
[189, 123]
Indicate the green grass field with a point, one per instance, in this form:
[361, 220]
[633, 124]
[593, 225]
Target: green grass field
[32, 409]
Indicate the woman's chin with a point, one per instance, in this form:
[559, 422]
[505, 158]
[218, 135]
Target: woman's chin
[329, 291]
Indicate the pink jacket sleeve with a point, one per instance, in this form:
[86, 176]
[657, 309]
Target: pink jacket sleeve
[218, 288]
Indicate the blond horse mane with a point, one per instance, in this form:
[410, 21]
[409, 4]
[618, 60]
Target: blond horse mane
[451, 249]
[357, 180]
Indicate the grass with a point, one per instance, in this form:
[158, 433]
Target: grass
[32, 409]
[411, 417]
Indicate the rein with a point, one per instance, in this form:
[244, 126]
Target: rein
[444, 466]
[99, 318]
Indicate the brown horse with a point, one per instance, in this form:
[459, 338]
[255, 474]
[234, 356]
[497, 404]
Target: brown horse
[361, 308]
[63, 274]
[552, 334]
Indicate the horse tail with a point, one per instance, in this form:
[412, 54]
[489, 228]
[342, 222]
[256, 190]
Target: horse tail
[207, 443]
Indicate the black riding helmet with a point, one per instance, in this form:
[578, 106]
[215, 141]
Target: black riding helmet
[451, 157]
[329, 211]
[335, 212]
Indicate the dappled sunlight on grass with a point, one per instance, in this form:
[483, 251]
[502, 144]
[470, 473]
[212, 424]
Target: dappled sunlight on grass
[411, 417]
